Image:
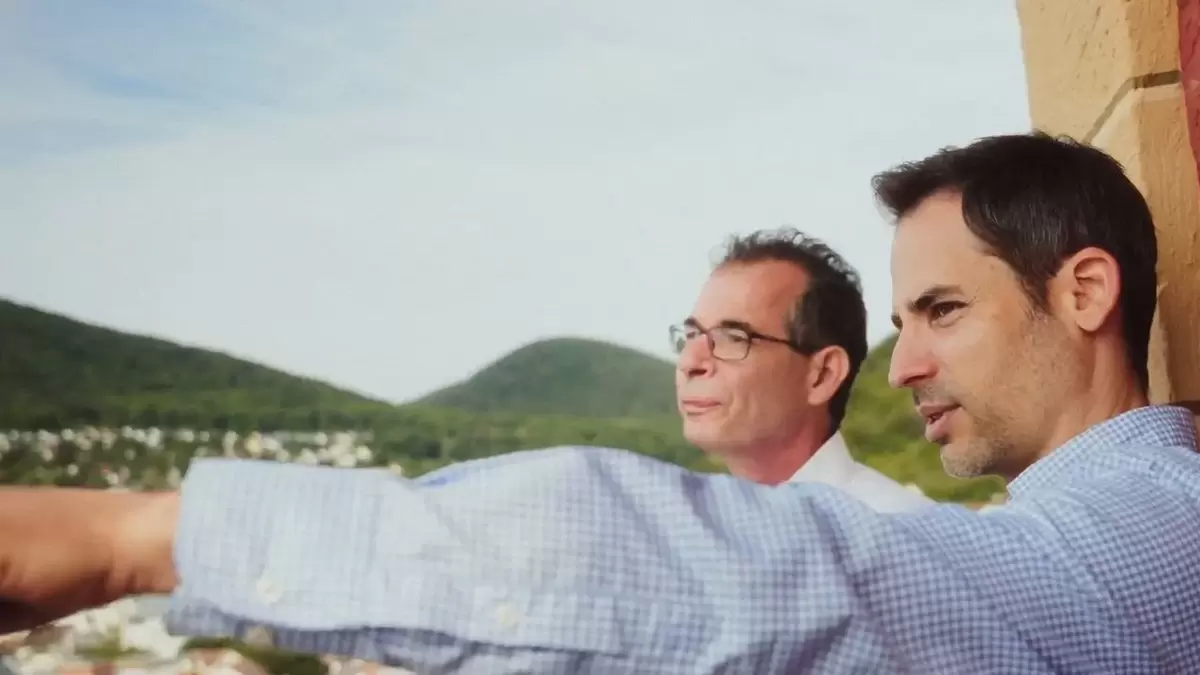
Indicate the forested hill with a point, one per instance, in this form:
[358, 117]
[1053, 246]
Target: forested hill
[568, 376]
[57, 366]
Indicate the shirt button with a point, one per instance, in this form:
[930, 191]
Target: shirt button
[507, 616]
[269, 592]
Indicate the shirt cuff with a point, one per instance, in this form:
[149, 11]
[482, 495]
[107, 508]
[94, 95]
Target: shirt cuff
[278, 543]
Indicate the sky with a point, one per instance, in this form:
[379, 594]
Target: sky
[391, 195]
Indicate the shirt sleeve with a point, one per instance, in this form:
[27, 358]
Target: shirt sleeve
[587, 560]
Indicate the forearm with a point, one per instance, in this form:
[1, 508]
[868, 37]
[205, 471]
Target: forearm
[54, 516]
[337, 561]
[145, 539]
[284, 545]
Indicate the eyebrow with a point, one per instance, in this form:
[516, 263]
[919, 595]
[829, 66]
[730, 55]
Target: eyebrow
[691, 322]
[926, 300]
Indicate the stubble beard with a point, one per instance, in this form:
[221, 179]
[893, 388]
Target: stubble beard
[981, 455]
[1000, 438]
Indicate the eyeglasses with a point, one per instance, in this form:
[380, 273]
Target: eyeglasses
[727, 343]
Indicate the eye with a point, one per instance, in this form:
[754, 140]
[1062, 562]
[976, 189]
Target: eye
[737, 336]
[942, 310]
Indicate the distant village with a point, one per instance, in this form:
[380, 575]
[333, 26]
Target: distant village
[153, 458]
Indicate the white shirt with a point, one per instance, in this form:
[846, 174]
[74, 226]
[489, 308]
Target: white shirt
[832, 465]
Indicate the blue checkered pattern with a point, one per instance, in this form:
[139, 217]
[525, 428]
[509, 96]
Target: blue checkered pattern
[595, 561]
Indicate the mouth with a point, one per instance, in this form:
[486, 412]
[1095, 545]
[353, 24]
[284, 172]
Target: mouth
[937, 422]
[698, 406]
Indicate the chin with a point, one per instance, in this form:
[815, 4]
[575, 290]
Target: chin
[704, 435]
[695, 434]
[959, 460]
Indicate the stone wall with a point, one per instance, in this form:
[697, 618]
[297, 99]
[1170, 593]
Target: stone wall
[1108, 72]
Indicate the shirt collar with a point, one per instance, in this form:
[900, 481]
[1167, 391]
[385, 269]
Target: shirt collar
[831, 463]
[1157, 425]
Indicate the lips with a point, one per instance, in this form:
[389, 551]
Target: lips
[937, 420]
[696, 406]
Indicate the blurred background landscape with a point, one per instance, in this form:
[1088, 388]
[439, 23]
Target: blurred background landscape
[86, 405]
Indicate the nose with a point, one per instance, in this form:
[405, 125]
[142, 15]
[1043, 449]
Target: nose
[695, 359]
[911, 361]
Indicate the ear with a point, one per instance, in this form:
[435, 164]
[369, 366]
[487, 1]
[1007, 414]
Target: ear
[1087, 288]
[827, 370]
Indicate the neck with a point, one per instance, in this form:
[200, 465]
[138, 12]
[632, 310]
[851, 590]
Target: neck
[1110, 391]
[775, 463]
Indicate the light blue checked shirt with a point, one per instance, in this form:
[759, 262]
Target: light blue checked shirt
[585, 560]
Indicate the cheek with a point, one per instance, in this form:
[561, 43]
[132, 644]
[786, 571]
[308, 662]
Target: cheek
[971, 356]
[769, 391]
[989, 376]
[739, 389]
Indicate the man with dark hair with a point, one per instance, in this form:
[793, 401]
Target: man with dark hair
[1056, 220]
[766, 362]
[584, 560]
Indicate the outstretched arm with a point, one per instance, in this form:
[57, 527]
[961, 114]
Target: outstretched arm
[577, 560]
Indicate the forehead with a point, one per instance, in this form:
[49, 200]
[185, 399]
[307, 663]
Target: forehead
[932, 247]
[761, 294]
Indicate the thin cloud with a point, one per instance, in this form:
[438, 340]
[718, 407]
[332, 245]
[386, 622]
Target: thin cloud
[388, 195]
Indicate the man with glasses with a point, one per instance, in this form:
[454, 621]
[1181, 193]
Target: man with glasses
[766, 362]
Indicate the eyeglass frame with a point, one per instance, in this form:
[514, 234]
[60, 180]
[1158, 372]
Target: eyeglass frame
[726, 326]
